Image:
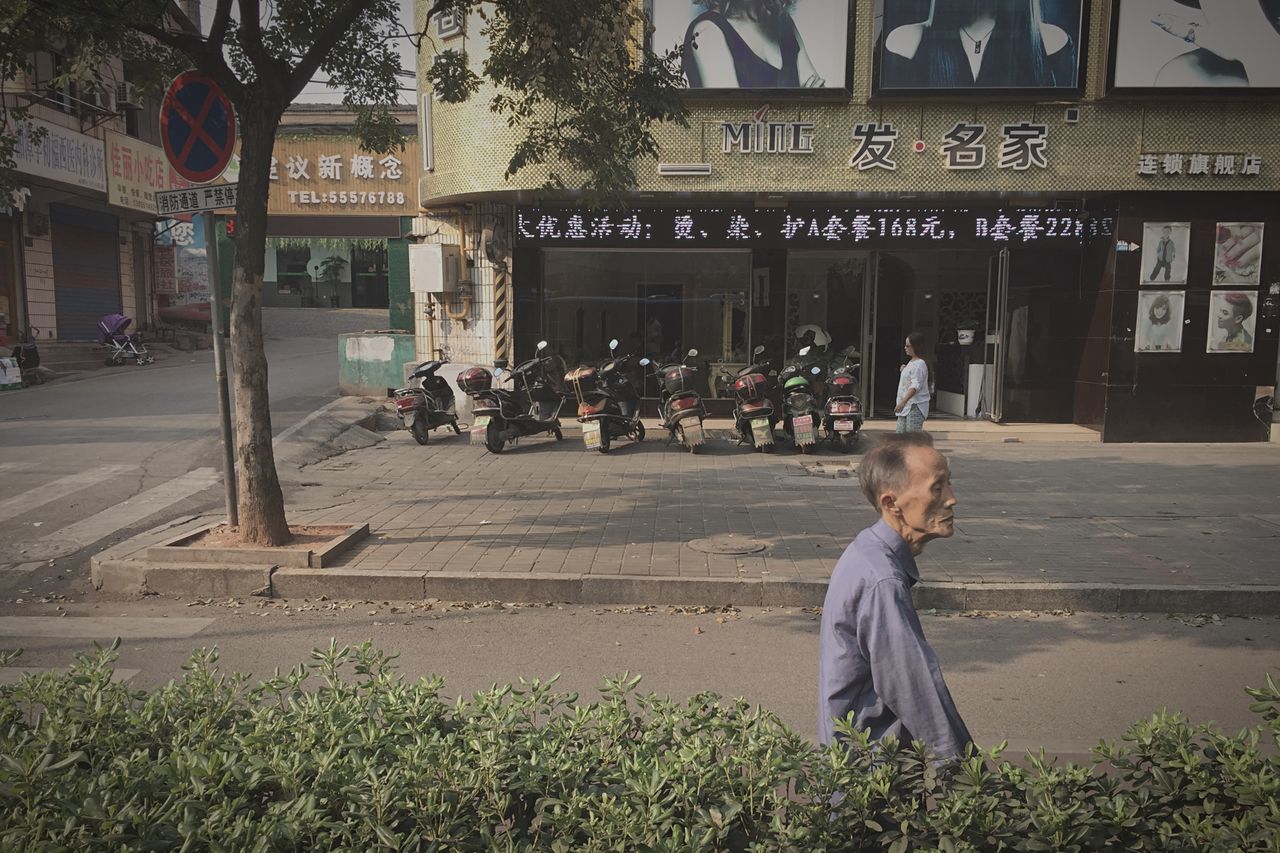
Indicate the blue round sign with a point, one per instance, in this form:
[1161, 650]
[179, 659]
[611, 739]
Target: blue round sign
[197, 126]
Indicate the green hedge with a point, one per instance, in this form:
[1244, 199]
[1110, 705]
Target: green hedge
[344, 754]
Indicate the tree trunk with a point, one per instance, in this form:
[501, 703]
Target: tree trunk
[261, 503]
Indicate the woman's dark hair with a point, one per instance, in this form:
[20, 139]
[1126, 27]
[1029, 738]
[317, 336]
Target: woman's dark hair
[1158, 302]
[1015, 43]
[916, 339]
[769, 9]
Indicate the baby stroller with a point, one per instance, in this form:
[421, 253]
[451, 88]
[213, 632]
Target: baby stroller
[121, 345]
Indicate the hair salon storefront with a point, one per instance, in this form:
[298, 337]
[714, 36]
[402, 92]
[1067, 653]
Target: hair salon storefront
[1079, 230]
[725, 280]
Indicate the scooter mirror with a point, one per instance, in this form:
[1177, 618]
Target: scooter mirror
[804, 350]
[758, 350]
[542, 345]
[613, 345]
[644, 362]
[693, 353]
[815, 370]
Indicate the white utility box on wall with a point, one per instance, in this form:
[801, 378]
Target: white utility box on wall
[434, 267]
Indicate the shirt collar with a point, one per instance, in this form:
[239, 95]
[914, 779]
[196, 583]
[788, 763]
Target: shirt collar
[898, 547]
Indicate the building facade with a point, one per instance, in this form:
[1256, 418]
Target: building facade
[75, 238]
[1077, 227]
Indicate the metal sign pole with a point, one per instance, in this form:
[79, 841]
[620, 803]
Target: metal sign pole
[220, 372]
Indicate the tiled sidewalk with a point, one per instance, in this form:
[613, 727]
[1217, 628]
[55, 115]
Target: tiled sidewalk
[1064, 513]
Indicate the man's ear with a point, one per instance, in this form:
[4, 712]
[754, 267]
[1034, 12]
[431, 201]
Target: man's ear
[889, 505]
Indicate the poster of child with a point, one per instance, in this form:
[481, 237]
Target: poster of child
[1165, 246]
[1159, 321]
[1237, 256]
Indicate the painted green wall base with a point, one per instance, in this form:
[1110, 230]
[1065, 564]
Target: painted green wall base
[399, 298]
[369, 364]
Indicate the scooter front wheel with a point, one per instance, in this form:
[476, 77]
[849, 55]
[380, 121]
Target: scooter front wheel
[638, 434]
[421, 433]
[557, 433]
[493, 437]
[604, 438]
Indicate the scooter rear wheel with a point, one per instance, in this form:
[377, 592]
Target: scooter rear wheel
[493, 437]
[421, 433]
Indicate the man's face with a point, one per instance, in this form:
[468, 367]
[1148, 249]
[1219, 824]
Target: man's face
[1227, 318]
[927, 503]
[1167, 232]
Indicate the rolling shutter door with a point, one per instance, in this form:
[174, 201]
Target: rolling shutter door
[86, 269]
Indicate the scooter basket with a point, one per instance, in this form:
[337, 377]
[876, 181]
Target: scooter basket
[750, 386]
[475, 379]
[678, 379]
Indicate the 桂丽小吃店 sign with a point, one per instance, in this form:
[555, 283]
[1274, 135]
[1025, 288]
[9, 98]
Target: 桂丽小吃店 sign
[196, 199]
[1200, 164]
[59, 154]
[136, 171]
[759, 136]
[333, 175]
[825, 227]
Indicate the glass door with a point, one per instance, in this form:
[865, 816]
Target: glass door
[828, 290]
[997, 334]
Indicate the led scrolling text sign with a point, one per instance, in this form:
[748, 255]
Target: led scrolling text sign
[829, 227]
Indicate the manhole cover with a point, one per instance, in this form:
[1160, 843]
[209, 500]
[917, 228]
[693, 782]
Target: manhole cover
[728, 543]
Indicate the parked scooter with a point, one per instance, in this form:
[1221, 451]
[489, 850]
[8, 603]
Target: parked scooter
[427, 405]
[842, 417]
[608, 404]
[753, 414]
[679, 402]
[530, 407]
[802, 382]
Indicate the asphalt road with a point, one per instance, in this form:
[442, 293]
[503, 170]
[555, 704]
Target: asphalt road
[1058, 681]
[80, 459]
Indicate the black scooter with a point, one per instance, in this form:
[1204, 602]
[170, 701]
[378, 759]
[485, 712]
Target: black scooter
[753, 414]
[608, 404]
[531, 407]
[427, 405]
[679, 401]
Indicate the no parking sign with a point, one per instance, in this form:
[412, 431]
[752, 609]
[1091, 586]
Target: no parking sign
[197, 126]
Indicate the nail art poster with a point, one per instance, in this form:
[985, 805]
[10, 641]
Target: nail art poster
[1237, 253]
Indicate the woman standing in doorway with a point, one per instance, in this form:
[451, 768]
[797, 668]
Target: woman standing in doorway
[912, 406]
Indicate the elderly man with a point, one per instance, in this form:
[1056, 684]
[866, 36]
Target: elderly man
[874, 662]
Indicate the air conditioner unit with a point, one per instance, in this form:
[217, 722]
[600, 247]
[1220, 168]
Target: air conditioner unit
[434, 267]
[421, 227]
[127, 96]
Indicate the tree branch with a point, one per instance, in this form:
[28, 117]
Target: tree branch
[324, 42]
[268, 67]
[221, 20]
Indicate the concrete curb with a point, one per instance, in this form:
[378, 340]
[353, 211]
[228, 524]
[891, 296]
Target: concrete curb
[131, 577]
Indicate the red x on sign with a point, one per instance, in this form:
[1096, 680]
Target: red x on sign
[197, 126]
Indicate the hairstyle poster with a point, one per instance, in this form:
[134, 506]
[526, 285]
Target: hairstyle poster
[1159, 321]
[1164, 252]
[1195, 44]
[932, 45]
[1231, 321]
[1237, 253]
[756, 44]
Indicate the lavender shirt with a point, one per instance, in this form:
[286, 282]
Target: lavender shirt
[873, 659]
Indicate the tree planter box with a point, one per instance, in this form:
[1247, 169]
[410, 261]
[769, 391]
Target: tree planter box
[186, 549]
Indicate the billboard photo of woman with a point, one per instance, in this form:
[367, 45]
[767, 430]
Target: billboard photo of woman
[1194, 44]
[756, 44]
[980, 44]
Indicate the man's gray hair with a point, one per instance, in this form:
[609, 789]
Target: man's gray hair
[884, 468]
